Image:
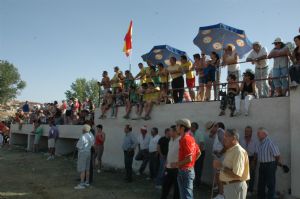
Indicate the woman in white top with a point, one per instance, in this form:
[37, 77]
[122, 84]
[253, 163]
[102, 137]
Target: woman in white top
[231, 59]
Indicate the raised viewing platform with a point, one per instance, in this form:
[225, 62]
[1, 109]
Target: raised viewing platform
[280, 116]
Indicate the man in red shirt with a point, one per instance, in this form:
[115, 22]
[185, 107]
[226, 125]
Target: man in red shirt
[189, 152]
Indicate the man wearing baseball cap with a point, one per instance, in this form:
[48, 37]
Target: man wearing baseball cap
[189, 152]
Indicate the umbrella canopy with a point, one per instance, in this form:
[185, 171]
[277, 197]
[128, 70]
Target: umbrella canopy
[162, 53]
[217, 37]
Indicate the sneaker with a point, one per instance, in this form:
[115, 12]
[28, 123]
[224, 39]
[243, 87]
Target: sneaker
[158, 187]
[219, 196]
[246, 113]
[216, 188]
[98, 171]
[294, 84]
[86, 184]
[148, 178]
[138, 173]
[222, 113]
[237, 113]
[113, 117]
[80, 186]
[250, 193]
[49, 158]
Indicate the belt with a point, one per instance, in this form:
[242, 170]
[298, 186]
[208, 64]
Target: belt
[230, 182]
[262, 68]
[185, 169]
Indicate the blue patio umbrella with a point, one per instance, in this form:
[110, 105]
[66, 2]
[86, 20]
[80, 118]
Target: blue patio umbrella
[217, 37]
[162, 53]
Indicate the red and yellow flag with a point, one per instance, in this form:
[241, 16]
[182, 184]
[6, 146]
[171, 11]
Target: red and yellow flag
[128, 41]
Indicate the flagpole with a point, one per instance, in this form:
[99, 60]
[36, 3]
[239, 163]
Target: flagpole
[130, 62]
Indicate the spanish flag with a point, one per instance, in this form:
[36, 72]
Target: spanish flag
[128, 41]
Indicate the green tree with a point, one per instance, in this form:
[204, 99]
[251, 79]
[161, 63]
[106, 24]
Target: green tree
[10, 82]
[82, 89]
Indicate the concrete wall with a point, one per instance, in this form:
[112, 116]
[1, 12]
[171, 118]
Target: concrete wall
[295, 139]
[274, 114]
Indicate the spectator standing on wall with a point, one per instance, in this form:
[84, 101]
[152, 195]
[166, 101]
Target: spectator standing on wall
[231, 59]
[187, 67]
[258, 56]
[280, 67]
[295, 69]
[128, 146]
[177, 83]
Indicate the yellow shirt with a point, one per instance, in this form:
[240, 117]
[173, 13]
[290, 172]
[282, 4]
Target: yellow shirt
[171, 69]
[236, 159]
[143, 75]
[163, 78]
[116, 81]
[188, 66]
[148, 74]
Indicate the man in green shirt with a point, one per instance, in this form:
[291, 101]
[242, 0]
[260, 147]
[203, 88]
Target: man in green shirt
[38, 132]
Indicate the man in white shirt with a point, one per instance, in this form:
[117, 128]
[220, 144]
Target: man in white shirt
[249, 144]
[153, 153]
[258, 57]
[143, 145]
[84, 146]
[170, 177]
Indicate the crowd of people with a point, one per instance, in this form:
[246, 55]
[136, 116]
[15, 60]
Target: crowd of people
[70, 112]
[176, 159]
[166, 84]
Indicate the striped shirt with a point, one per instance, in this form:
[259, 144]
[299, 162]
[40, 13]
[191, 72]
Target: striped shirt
[266, 151]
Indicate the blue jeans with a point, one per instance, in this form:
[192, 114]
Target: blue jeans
[185, 180]
[160, 175]
[278, 73]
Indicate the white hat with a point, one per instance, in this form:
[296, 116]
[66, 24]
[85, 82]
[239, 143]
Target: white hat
[277, 40]
[256, 43]
[86, 128]
[144, 128]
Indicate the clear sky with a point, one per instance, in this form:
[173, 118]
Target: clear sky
[53, 42]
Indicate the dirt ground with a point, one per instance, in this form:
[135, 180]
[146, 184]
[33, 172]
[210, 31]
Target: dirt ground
[27, 175]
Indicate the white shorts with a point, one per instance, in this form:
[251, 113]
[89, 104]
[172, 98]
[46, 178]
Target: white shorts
[51, 143]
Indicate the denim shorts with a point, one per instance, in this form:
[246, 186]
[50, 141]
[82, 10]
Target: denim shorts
[282, 82]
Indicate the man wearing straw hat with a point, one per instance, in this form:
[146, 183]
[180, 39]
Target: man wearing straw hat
[258, 57]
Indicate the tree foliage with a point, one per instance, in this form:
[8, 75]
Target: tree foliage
[82, 89]
[10, 82]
